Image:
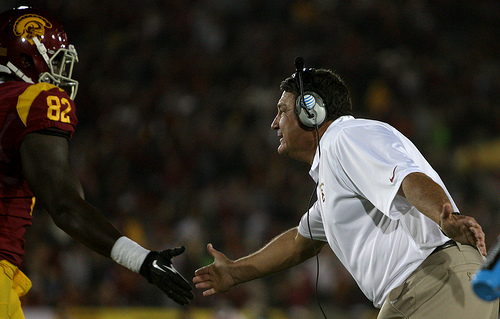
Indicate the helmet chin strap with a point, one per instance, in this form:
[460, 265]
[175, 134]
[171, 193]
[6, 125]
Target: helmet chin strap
[4, 69]
[11, 68]
[42, 49]
[49, 77]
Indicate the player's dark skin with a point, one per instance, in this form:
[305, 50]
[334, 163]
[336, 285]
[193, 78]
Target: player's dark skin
[56, 186]
[32, 66]
[45, 166]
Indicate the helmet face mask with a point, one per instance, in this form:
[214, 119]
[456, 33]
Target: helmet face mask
[34, 48]
[60, 71]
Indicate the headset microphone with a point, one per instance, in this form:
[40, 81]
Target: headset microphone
[299, 63]
[299, 68]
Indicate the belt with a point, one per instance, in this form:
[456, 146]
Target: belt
[448, 244]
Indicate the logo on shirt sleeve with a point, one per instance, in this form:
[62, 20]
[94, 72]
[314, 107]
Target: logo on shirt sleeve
[321, 189]
[393, 174]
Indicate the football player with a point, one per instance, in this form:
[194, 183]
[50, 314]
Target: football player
[37, 119]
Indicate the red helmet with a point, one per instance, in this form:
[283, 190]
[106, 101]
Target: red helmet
[34, 48]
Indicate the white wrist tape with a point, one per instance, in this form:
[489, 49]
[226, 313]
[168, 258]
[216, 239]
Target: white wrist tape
[128, 253]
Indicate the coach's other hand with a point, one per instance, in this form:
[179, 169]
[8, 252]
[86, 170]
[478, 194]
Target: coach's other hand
[158, 270]
[463, 229]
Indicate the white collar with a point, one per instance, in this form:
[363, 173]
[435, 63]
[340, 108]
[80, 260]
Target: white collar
[314, 171]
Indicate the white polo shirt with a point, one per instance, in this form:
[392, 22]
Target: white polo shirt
[377, 235]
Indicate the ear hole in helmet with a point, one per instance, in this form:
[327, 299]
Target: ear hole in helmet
[27, 60]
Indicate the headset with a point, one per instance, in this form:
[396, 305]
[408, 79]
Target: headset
[309, 105]
[311, 111]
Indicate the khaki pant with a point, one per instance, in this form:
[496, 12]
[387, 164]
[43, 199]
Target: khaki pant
[440, 288]
[13, 284]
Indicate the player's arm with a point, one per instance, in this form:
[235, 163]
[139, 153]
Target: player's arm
[56, 186]
[431, 200]
[45, 165]
[284, 251]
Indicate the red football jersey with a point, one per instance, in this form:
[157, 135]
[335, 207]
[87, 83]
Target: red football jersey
[24, 108]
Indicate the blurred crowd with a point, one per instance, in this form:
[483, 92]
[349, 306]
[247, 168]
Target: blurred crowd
[174, 144]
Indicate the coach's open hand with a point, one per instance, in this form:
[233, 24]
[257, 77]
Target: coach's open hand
[158, 270]
[214, 278]
[463, 229]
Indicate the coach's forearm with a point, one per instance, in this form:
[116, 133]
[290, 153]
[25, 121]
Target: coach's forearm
[425, 194]
[284, 251]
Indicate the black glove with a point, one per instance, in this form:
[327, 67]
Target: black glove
[158, 270]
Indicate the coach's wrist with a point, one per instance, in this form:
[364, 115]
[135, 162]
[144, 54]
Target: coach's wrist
[239, 272]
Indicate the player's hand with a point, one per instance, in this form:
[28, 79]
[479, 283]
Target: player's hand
[463, 229]
[214, 278]
[158, 270]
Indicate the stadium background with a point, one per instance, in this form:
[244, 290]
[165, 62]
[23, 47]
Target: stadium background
[174, 143]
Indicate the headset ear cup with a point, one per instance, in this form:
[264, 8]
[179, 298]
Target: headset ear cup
[316, 109]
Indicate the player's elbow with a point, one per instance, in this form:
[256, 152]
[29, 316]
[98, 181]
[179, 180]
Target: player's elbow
[65, 213]
[62, 217]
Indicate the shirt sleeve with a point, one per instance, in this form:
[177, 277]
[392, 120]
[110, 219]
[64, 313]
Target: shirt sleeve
[44, 106]
[313, 219]
[374, 162]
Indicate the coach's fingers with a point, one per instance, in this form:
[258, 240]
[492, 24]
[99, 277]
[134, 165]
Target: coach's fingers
[482, 249]
[209, 292]
[204, 270]
[212, 251]
[480, 237]
[204, 284]
[473, 232]
[205, 280]
[201, 278]
[476, 229]
[464, 222]
[201, 271]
